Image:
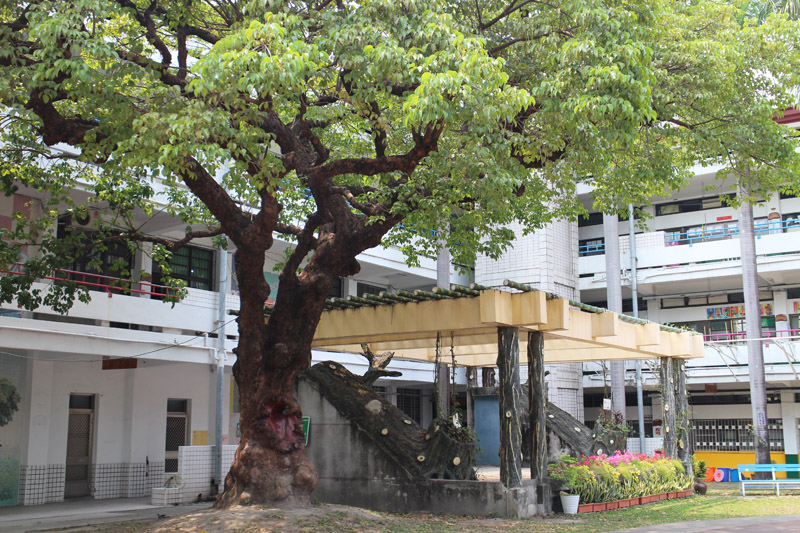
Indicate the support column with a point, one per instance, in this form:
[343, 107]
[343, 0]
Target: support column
[780, 306]
[472, 383]
[789, 416]
[349, 287]
[614, 303]
[683, 418]
[441, 369]
[510, 401]
[668, 401]
[537, 398]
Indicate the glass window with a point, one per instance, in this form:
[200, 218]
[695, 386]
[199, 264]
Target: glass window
[409, 401]
[366, 288]
[193, 265]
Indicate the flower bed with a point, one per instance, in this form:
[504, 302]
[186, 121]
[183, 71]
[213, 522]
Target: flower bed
[630, 502]
[622, 479]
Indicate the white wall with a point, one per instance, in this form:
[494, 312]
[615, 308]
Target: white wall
[130, 408]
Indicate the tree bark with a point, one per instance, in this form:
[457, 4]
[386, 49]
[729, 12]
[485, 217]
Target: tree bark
[537, 402]
[683, 420]
[510, 403]
[434, 454]
[472, 383]
[668, 401]
[270, 465]
[755, 350]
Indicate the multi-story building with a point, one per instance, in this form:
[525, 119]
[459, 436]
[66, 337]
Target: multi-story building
[689, 274]
[111, 390]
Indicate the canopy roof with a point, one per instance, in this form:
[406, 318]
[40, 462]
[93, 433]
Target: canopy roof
[467, 319]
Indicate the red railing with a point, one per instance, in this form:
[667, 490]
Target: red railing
[108, 284]
[741, 335]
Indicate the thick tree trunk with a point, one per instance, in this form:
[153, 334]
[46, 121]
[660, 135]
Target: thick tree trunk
[510, 392]
[537, 402]
[577, 437]
[270, 464]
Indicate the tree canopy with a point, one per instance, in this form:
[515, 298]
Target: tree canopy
[340, 126]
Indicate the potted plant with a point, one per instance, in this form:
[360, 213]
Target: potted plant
[570, 497]
[569, 501]
[700, 486]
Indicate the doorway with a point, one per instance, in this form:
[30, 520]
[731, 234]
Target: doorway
[79, 445]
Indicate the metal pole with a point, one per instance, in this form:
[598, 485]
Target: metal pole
[635, 297]
[221, 356]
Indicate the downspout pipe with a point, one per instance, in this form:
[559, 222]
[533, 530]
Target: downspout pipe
[221, 357]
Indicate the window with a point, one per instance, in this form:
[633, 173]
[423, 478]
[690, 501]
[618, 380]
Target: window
[733, 435]
[592, 219]
[591, 247]
[193, 265]
[366, 288]
[409, 401]
[695, 204]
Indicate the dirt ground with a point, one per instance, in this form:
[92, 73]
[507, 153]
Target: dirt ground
[318, 518]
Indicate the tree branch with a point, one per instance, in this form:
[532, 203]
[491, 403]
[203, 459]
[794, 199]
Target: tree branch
[233, 221]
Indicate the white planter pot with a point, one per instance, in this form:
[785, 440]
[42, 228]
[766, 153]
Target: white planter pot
[570, 503]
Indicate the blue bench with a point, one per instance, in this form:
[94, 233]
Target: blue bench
[791, 484]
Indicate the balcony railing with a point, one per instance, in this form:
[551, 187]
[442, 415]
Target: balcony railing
[740, 336]
[708, 234]
[98, 282]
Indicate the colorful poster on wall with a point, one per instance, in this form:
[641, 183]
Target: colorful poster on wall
[736, 311]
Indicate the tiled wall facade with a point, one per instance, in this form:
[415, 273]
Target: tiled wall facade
[40, 484]
[195, 472]
[651, 444]
[548, 260]
[125, 480]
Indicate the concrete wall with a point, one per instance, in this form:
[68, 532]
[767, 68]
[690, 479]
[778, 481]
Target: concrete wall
[129, 423]
[352, 471]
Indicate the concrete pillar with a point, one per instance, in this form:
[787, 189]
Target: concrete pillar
[614, 303]
[38, 398]
[789, 416]
[143, 262]
[349, 287]
[654, 310]
[509, 390]
[780, 306]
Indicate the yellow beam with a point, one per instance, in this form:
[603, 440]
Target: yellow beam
[410, 330]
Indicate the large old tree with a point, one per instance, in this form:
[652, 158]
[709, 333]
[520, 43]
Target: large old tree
[340, 126]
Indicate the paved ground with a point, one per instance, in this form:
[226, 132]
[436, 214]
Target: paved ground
[82, 512]
[773, 524]
[87, 512]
